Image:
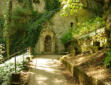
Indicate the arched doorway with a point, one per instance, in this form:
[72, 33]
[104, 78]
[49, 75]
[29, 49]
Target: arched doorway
[48, 44]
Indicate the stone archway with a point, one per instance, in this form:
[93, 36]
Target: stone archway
[47, 41]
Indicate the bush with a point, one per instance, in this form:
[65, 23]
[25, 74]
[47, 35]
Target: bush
[107, 61]
[66, 37]
[88, 26]
[8, 68]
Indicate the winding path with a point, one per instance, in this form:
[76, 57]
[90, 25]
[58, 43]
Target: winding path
[47, 70]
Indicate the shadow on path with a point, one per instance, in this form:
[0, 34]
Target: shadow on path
[46, 70]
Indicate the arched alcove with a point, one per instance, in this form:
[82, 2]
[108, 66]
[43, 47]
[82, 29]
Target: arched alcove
[47, 42]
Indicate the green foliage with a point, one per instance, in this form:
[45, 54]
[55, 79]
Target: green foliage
[68, 41]
[1, 23]
[95, 6]
[27, 24]
[107, 61]
[87, 26]
[1, 29]
[20, 20]
[66, 37]
[18, 28]
[52, 5]
[7, 69]
[36, 1]
[20, 1]
[70, 7]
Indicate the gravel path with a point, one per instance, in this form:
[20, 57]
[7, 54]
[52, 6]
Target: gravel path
[47, 70]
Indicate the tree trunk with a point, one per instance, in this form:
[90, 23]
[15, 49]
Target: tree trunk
[7, 26]
[107, 15]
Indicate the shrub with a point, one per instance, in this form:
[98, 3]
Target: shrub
[107, 61]
[88, 26]
[8, 68]
[66, 37]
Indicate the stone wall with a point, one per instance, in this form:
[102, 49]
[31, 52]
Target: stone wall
[42, 45]
[61, 24]
[40, 6]
[58, 24]
[80, 76]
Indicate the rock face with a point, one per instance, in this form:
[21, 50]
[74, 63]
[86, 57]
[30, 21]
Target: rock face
[54, 29]
[39, 6]
[59, 25]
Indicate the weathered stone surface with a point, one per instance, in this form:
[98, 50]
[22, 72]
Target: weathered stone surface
[61, 24]
[41, 45]
[79, 75]
[40, 7]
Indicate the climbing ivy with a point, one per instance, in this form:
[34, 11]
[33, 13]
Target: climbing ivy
[27, 25]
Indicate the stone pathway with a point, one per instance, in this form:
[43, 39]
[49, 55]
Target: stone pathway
[46, 70]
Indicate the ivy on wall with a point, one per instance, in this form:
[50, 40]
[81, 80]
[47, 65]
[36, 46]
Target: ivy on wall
[30, 22]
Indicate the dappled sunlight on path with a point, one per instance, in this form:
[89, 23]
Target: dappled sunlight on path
[46, 71]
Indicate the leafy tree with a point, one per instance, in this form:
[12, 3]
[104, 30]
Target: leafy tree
[70, 7]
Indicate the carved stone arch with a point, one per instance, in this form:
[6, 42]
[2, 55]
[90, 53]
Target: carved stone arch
[47, 41]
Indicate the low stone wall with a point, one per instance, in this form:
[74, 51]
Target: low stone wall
[80, 76]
